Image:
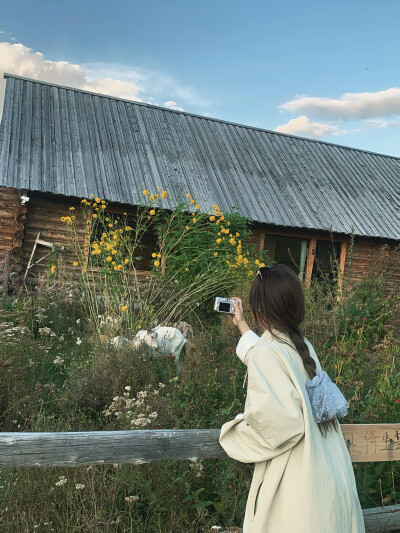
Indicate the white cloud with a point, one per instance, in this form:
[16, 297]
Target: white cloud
[150, 82]
[113, 79]
[303, 126]
[173, 105]
[348, 106]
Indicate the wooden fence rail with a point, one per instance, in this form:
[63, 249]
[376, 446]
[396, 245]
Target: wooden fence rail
[365, 442]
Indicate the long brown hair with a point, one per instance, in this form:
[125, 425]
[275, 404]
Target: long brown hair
[277, 303]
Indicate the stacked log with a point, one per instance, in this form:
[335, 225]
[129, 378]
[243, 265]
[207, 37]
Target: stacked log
[12, 226]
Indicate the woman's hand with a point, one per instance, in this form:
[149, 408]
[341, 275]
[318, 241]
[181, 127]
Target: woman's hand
[238, 317]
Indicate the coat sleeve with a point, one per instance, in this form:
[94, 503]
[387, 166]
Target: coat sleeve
[273, 419]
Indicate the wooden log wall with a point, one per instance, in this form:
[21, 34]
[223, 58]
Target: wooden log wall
[12, 221]
[44, 215]
[367, 258]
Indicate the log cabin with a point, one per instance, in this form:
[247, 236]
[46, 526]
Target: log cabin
[306, 199]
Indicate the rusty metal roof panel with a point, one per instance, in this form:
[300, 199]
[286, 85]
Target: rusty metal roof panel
[71, 142]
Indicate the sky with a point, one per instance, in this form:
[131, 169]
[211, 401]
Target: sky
[323, 70]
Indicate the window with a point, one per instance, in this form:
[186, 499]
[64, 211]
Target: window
[327, 256]
[289, 251]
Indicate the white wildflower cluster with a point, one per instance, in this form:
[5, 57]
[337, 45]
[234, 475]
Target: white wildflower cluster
[197, 468]
[79, 486]
[46, 332]
[40, 315]
[136, 410]
[11, 334]
[131, 499]
[58, 360]
[62, 481]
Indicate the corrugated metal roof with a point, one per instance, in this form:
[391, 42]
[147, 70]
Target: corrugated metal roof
[72, 142]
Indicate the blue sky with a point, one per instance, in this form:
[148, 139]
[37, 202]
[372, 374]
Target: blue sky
[315, 69]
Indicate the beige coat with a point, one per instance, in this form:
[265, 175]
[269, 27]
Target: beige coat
[302, 482]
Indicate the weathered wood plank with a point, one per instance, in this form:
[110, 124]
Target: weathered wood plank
[379, 520]
[366, 442]
[107, 447]
[372, 442]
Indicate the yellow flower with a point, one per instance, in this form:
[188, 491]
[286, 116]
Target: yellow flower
[103, 206]
[187, 270]
[62, 219]
[245, 260]
[164, 194]
[188, 195]
[237, 234]
[83, 270]
[257, 261]
[113, 252]
[72, 208]
[218, 222]
[94, 215]
[53, 269]
[159, 188]
[232, 241]
[113, 263]
[75, 263]
[107, 219]
[103, 201]
[128, 228]
[262, 264]
[158, 255]
[218, 241]
[212, 218]
[192, 201]
[110, 225]
[97, 200]
[152, 212]
[156, 263]
[124, 308]
[126, 261]
[228, 223]
[215, 254]
[187, 227]
[194, 221]
[92, 195]
[145, 192]
[109, 258]
[154, 254]
[151, 197]
[197, 206]
[157, 195]
[222, 218]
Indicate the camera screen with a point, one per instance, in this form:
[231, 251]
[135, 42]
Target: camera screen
[225, 307]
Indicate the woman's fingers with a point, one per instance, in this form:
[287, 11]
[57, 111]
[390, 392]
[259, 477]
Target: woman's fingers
[237, 304]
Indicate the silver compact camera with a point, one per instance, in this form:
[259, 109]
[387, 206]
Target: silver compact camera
[224, 305]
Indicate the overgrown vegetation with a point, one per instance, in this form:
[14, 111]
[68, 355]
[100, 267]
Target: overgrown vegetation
[60, 372]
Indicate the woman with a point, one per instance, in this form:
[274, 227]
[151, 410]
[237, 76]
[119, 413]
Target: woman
[303, 480]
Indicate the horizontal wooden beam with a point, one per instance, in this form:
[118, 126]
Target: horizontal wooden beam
[380, 520]
[365, 442]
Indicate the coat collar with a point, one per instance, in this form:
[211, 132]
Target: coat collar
[267, 335]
